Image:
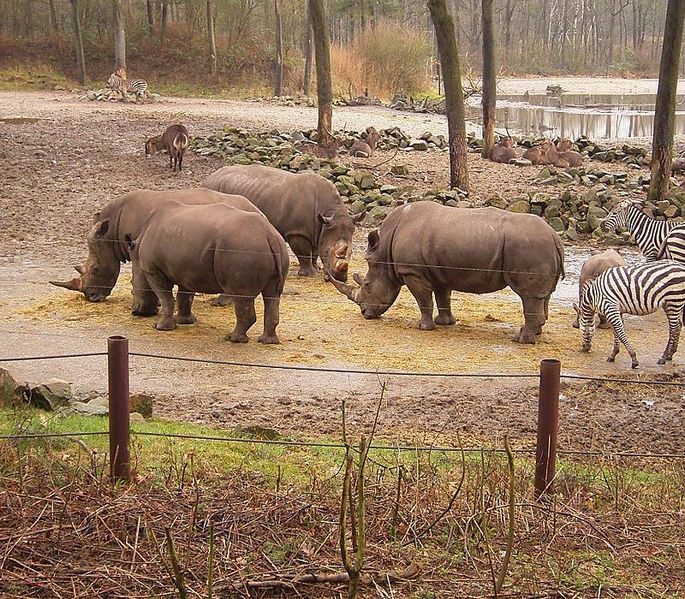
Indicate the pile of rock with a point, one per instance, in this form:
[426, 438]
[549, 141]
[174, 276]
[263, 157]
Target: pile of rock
[108, 95]
[360, 188]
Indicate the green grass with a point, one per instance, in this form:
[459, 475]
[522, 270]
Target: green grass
[33, 77]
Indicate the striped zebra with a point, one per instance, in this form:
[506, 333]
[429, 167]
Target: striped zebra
[635, 290]
[124, 86]
[673, 247]
[649, 234]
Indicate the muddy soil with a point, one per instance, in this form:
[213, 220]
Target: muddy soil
[60, 169]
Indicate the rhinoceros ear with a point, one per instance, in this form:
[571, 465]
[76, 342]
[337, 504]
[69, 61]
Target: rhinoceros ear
[326, 219]
[374, 240]
[130, 242]
[96, 217]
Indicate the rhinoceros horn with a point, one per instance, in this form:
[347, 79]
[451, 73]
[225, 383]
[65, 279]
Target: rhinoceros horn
[73, 285]
[349, 290]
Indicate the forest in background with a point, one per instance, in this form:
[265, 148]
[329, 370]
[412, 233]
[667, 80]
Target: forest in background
[379, 46]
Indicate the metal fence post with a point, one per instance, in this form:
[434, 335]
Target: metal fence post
[117, 370]
[548, 425]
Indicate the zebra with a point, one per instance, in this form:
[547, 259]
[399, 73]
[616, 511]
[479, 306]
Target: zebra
[673, 247]
[124, 86]
[649, 234]
[635, 290]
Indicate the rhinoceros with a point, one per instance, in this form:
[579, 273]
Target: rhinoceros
[213, 248]
[304, 207]
[434, 249]
[594, 266]
[127, 214]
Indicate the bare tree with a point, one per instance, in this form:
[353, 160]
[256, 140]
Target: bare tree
[454, 94]
[78, 42]
[664, 111]
[489, 82]
[324, 86]
[211, 39]
[279, 49]
[150, 15]
[308, 47]
[119, 34]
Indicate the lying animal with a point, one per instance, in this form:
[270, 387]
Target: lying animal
[538, 154]
[305, 208]
[107, 247]
[565, 150]
[503, 151]
[174, 141]
[555, 158]
[364, 148]
[593, 267]
[434, 249]
[636, 290]
[211, 248]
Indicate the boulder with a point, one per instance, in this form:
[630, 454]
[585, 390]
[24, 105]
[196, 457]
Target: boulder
[376, 215]
[50, 395]
[522, 206]
[141, 403]
[8, 387]
[400, 169]
[418, 144]
[557, 224]
[595, 216]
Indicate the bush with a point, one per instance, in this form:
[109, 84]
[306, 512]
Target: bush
[383, 60]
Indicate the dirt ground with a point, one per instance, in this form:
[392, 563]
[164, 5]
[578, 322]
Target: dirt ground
[75, 156]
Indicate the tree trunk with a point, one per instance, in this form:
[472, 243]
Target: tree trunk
[324, 87]
[164, 19]
[664, 111]
[489, 83]
[53, 17]
[119, 35]
[78, 42]
[211, 39]
[454, 94]
[278, 87]
[308, 47]
[150, 16]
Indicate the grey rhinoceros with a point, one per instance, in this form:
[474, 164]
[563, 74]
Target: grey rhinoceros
[210, 249]
[434, 249]
[127, 214]
[305, 208]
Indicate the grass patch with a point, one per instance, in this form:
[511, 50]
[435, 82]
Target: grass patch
[34, 76]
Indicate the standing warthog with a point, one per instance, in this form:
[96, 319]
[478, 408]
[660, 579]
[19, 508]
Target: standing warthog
[503, 151]
[593, 267]
[364, 148]
[434, 249]
[211, 249]
[305, 208]
[107, 247]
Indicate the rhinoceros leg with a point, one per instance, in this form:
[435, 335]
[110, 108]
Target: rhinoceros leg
[442, 299]
[184, 304]
[271, 306]
[245, 317]
[423, 294]
[145, 302]
[305, 256]
[534, 315]
[162, 287]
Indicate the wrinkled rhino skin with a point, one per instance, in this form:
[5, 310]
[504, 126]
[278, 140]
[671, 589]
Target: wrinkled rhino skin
[127, 214]
[211, 249]
[305, 208]
[594, 266]
[435, 249]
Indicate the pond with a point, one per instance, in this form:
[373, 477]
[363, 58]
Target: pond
[599, 116]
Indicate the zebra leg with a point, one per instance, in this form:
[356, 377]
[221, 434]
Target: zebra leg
[614, 318]
[674, 315]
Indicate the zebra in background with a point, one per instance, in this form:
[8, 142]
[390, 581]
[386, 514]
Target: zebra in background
[635, 290]
[124, 86]
[649, 234]
[673, 247]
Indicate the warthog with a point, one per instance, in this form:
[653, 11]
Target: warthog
[364, 148]
[503, 151]
[211, 249]
[434, 249]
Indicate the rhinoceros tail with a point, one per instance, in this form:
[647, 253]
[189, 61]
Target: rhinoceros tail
[560, 252]
[281, 265]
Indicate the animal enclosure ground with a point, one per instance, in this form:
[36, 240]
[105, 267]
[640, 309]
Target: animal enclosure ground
[61, 168]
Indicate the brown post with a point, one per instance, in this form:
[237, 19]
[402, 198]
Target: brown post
[117, 369]
[548, 425]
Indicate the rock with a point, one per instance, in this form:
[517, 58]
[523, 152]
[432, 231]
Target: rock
[400, 169]
[376, 215]
[95, 407]
[549, 181]
[521, 206]
[571, 234]
[418, 144]
[357, 206]
[662, 206]
[595, 216]
[521, 162]
[367, 182]
[672, 212]
[136, 417]
[8, 387]
[552, 211]
[141, 403]
[50, 395]
[497, 202]
[388, 189]
[557, 224]
[611, 239]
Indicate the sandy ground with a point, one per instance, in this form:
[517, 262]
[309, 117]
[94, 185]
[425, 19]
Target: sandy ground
[58, 170]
